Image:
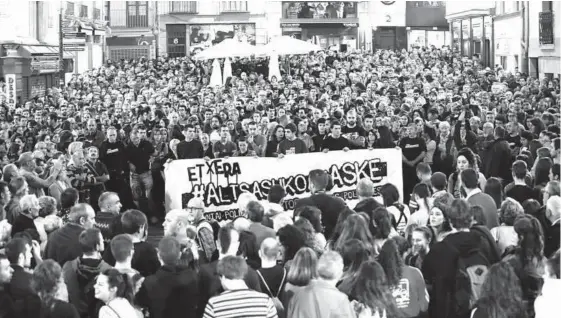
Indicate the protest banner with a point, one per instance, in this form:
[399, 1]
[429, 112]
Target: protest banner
[219, 182]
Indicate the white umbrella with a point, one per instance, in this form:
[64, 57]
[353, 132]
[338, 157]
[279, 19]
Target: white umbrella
[286, 45]
[226, 48]
[227, 70]
[274, 68]
[216, 76]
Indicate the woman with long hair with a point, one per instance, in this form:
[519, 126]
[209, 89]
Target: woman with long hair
[430, 140]
[355, 227]
[439, 223]
[371, 139]
[370, 292]
[302, 271]
[466, 160]
[527, 258]
[385, 140]
[62, 183]
[306, 227]
[405, 281]
[493, 301]
[537, 126]
[313, 215]
[354, 253]
[273, 142]
[343, 215]
[399, 212]
[48, 283]
[494, 188]
[116, 291]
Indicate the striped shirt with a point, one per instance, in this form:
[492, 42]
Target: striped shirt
[240, 303]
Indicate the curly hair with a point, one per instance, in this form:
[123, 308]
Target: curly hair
[494, 301]
[510, 210]
[312, 214]
[292, 239]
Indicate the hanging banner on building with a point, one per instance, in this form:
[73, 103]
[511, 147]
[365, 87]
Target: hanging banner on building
[11, 90]
[220, 182]
[203, 36]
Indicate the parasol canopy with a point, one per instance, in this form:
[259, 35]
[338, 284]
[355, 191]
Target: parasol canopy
[226, 48]
[216, 76]
[286, 45]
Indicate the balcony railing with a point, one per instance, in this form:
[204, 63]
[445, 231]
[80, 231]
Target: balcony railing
[233, 6]
[546, 28]
[319, 10]
[121, 18]
[183, 7]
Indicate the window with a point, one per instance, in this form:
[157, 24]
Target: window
[83, 11]
[97, 14]
[184, 6]
[107, 12]
[69, 8]
[547, 6]
[546, 28]
[97, 39]
[233, 6]
[137, 14]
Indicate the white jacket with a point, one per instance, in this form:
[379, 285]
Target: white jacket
[119, 308]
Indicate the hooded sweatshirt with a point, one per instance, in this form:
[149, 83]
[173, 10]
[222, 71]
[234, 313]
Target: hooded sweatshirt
[439, 269]
[79, 276]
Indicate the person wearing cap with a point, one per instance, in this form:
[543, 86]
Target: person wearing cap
[37, 185]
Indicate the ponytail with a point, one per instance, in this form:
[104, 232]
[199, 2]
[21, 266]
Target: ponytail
[531, 238]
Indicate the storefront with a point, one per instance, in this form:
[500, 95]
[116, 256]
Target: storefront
[328, 24]
[426, 24]
[472, 34]
[327, 35]
[33, 68]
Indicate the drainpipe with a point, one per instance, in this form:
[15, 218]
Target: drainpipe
[525, 65]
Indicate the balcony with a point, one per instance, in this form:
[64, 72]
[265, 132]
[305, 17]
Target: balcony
[319, 10]
[183, 7]
[233, 6]
[128, 18]
[546, 28]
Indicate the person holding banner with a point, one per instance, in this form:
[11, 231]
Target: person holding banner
[291, 144]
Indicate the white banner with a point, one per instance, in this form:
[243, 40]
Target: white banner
[219, 182]
[11, 90]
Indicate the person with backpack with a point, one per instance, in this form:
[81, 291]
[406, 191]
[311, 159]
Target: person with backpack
[456, 267]
[80, 274]
[272, 276]
[399, 212]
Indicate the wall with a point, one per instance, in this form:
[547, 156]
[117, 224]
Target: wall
[534, 44]
[15, 19]
[420, 14]
[453, 7]
[508, 36]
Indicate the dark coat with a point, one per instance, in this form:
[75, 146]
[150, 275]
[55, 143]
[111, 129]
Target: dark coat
[330, 207]
[498, 161]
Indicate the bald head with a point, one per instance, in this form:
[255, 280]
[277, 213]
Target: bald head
[176, 223]
[269, 249]
[365, 188]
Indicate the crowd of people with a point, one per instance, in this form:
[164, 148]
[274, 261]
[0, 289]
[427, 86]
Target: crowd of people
[475, 232]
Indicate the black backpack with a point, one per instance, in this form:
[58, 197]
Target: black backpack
[471, 271]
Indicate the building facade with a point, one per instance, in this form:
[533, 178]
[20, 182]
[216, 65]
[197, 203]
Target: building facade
[29, 43]
[426, 23]
[509, 28]
[187, 27]
[471, 25]
[388, 24]
[544, 47]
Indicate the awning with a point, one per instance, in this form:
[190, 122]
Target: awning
[31, 51]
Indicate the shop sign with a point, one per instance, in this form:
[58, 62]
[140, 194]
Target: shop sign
[44, 63]
[290, 25]
[350, 25]
[11, 90]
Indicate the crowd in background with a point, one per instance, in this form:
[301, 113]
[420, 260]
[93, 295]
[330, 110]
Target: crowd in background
[83, 181]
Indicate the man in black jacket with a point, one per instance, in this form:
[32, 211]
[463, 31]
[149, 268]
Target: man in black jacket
[190, 148]
[173, 291]
[18, 252]
[330, 206]
[112, 153]
[7, 309]
[498, 158]
[441, 263]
